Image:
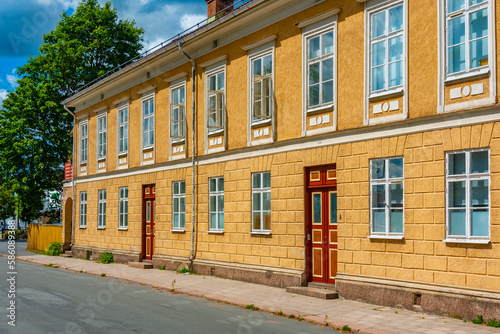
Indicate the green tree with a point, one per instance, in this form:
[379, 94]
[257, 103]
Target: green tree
[34, 127]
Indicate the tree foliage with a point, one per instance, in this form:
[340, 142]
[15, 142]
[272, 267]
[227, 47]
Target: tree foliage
[34, 127]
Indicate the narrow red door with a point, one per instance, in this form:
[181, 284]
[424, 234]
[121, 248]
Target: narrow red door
[148, 222]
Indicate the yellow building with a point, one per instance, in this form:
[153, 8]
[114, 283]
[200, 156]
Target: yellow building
[345, 142]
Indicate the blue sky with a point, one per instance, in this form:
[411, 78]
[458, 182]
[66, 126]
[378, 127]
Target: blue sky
[23, 22]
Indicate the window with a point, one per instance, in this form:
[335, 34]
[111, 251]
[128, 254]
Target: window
[179, 205]
[386, 192]
[84, 135]
[178, 112]
[101, 209]
[215, 98]
[148, 126]
[123, 208]
[261, 202]
[83, 209]
[467, 35]
[262, 87]
[216, 203]
[467, 195]
[386, 49]
[320, 69]
[101, 137]
[123, 130]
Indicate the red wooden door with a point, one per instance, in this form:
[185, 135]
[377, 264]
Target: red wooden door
[321, 238]
[148, 222]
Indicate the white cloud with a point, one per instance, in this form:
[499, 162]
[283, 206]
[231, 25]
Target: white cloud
[12, 79]
[189, 20]
[3, 96]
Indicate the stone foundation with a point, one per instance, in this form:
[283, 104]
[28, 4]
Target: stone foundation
[119, 256]
[429, 298]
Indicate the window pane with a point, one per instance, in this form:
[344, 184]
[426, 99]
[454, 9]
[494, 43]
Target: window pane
[182, 187]
[480, 225]
[454, 5]
[317, 208]
[457, 222]
[378, 219]
[256, 180]
[268, 65]
[176, 205]
[213, 221]
[176, 220]
[456, 58]
[396, 195]
[479, 53]
[396, 74]
[212, 83]
[478, 24]
[182, 205]
[456, 164]
[221, 183]
[396, 168]
[266, 201]
[378, 53]
[475, 2]
[256, 221]
[479, 162]
[456, 31]
[378, 169]
[221, 221]
[378, 78]
[378, 24]
[333, 208]
[220, 200]
[213, 204]
[213, 185]
[257, 66]
[266, 180]
[479, 193]
[327, 94]
[267, 221]
[182, 95]
[220, 81]
[396, 222]
[396, 48]
[314, 48]
[313, 73]
[327, 69]
[148, 211]
[327, 46]
[256, 202]
[396, 18]
[456, 194]
[378, 196]
[313, 95]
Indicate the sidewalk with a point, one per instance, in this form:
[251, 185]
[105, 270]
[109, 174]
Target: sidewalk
[360, 317]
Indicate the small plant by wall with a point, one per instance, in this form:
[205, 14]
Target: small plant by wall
[106, 257]
[54, 249]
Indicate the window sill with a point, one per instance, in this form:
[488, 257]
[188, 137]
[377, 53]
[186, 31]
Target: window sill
[83, 163]
[216, 232]
[101, 159]
[82, 227]
[101, 228]
[455, 78]
[467, 241]
[178, 230]
[150, 147]
[386, 94]
[387, 237]
[122, 228]
[259, 123]
[122, 154]
[176, 140]
[215, 132]
[260, 232]
[319, 109]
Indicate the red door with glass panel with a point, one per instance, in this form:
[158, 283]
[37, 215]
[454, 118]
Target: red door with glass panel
[321, 224]
[148, 221]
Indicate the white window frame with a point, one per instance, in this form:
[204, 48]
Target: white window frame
[123, 208]
[151, 118]
[387, 181]
[176, 210]
[220, 95]
[217, 194]
[125, 125]
[251, 86]
[467, 178]
[84, 141]
[176, 89]
[101, 209]
[102, 134]
[83, 209]
[261, 191]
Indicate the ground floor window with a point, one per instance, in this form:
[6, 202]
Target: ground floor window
[179, 205]
[261, 202]
[123, 208]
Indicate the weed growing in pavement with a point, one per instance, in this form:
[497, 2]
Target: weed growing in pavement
[279, 313]
[252, 307]
[106, 257]
[455, 316]
[185, 270]
[346, 328]
[301, 319]
[291, 316]
[103, 275]
[173, 285]
[162, 268]
[479, 320]
[493, 323]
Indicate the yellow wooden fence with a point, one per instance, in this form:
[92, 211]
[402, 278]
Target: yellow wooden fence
[40, 236]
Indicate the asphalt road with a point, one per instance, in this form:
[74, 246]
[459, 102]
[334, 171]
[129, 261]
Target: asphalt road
[50, 300]
[20, 248]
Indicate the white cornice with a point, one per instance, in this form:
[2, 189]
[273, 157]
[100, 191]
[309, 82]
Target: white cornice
[101, 109]
[213, 61]
[123, 99]
[260, 42]
[318, 18]
[175, 77]
[146, 90]
[82, 116]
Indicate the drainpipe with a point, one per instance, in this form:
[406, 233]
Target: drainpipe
[193, 162]
[72, 174]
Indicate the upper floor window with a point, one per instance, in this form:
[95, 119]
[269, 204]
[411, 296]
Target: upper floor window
[386, 192]
[101, 136]
[179, 205]
[320, 69]
[178, 112]
[466, 35]
[123, 208]
[386, 48]
[261, 202]
[216, 203]
[262, 86]
[216, 100]
[101, 209]
[84, 136]
[148, 125]
[467, 195]
[83, 209]
[123, 129]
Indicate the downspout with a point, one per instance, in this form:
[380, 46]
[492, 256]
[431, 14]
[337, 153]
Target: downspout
[193, 162]
[72, 173]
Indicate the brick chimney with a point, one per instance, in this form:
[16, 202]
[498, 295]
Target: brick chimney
[215, 6]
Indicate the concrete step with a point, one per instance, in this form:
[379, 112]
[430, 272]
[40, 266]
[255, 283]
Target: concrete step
[141, 265]
[322, 286]
[68, 253]
[313, 292]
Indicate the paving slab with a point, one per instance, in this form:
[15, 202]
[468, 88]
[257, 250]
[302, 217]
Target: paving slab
[360, 317]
